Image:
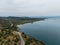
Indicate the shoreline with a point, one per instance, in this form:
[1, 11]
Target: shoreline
[31, 36]
[9, 27]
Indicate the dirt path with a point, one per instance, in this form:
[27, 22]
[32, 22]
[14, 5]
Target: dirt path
[22, 41]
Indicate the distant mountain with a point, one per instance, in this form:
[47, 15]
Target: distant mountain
[47, 17]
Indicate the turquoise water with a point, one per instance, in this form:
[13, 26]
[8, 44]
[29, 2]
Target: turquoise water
[47, 31]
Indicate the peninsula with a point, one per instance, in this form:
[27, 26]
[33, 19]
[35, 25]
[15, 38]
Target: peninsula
[10, 35]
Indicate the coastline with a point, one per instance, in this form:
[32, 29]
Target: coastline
[23, 34]
[32, 39]
[9, 28]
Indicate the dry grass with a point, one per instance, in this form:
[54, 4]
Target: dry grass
[9, 37]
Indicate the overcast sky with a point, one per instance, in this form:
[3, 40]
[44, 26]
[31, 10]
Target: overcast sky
[29, 7]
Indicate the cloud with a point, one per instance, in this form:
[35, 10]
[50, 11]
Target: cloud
[30, 7]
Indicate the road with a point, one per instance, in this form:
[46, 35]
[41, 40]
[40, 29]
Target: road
[22, 40]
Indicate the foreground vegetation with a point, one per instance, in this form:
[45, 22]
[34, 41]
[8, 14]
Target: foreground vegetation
[8, 37]
[8, 29]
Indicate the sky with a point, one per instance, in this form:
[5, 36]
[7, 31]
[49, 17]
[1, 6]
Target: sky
[29, 7]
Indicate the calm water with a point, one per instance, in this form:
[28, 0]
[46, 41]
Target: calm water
[47, 31]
